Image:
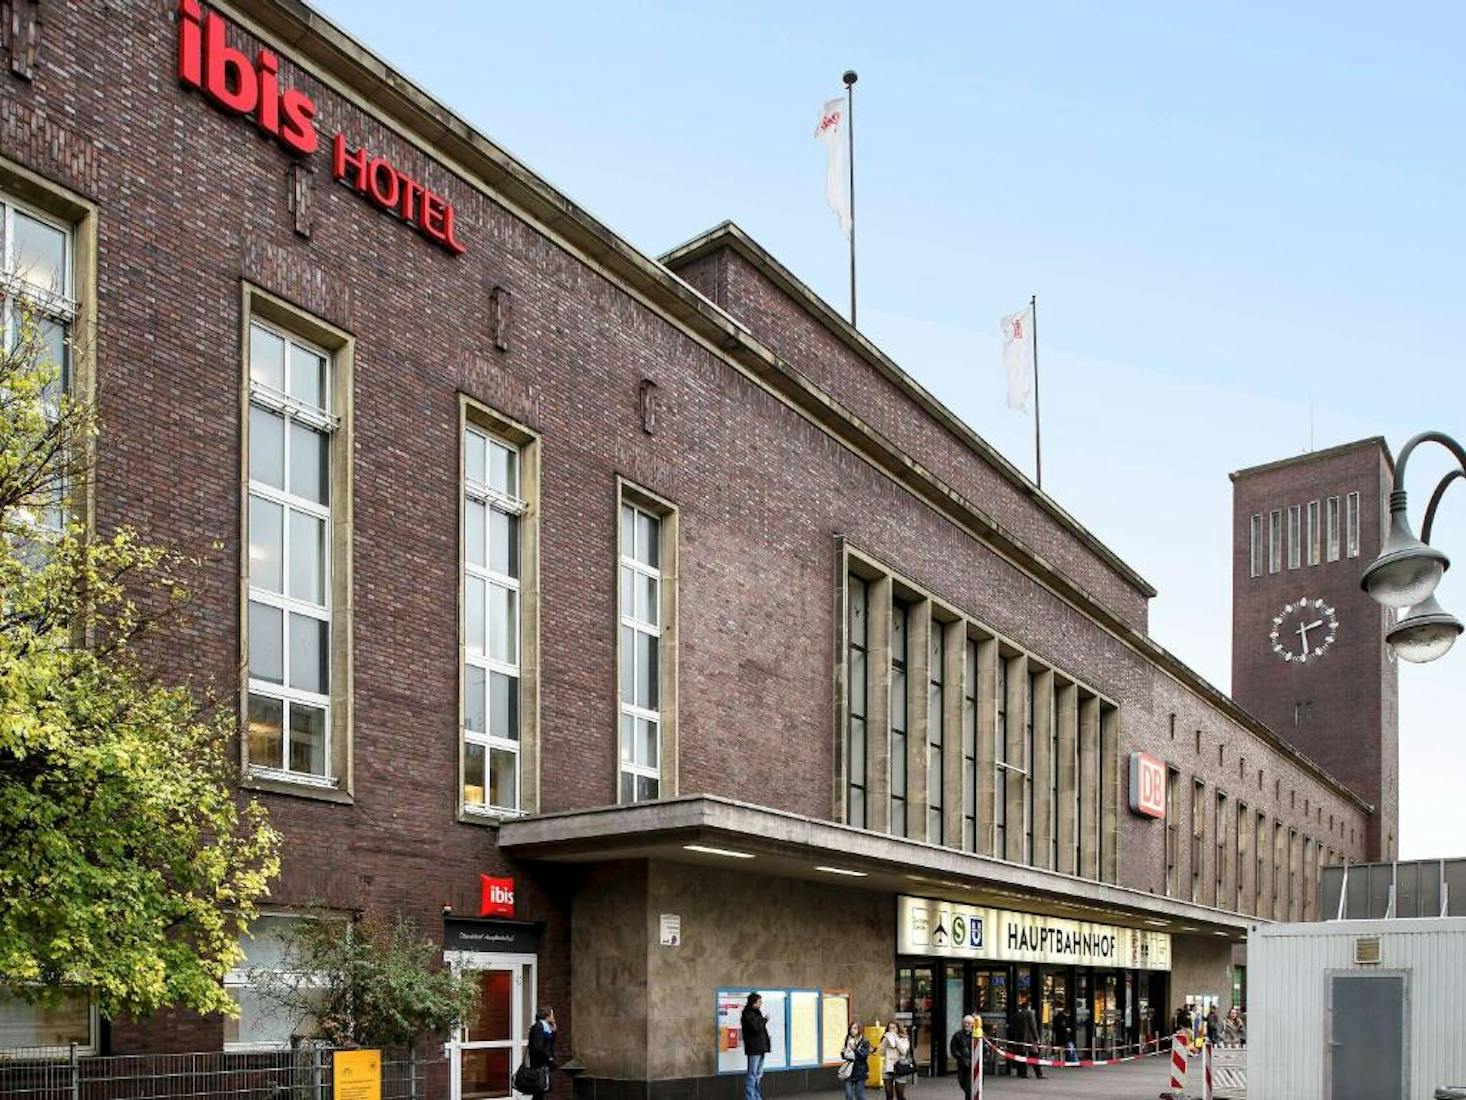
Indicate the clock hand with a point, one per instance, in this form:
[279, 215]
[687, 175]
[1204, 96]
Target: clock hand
[1303, 633]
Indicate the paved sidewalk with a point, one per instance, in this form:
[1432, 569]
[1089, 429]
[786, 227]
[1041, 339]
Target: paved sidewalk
[1142, 1080]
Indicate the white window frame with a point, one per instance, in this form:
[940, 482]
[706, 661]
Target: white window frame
[1295, 536]
[627, 618]
[1254, 567]
[856, 583]
[511, 504]
[1314, 533]
[1351, 525]
[46, 1051]
[242, 978]
[323, 421]
[1331, 528]
[1275, 541]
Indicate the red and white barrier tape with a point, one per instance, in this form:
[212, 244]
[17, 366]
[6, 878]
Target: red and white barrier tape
[1030, 1060]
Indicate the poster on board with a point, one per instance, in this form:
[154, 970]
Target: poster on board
[804, 1027]
[836, 1022]
[776, 1008]
[731, 1058]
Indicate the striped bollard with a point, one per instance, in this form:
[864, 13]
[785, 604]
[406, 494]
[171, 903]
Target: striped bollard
[1206, 1085]
[977, 1060]
[1178, 1067]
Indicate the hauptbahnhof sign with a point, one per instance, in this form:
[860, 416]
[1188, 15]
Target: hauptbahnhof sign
[926, 926]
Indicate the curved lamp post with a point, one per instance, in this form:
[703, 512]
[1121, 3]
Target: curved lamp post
[1408, 569]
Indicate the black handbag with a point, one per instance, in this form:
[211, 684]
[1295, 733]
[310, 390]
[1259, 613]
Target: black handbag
[531, 1079]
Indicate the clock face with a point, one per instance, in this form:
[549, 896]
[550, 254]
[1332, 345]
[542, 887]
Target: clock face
[1304, 630]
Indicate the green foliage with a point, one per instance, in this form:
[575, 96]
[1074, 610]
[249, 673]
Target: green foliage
[369, 984]
[127, 867]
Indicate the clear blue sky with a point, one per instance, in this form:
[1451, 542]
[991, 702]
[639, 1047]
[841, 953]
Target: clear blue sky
[1230, 214]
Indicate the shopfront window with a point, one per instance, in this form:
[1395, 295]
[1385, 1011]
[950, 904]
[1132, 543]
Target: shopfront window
[914, 1008]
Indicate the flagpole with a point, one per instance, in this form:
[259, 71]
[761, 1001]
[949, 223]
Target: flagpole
[850, 78]
[1038, 452]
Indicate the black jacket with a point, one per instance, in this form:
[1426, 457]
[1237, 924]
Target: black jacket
[961, 1048]
[541, 1046]
[1063, 1033]
[755, 1031]
[1027, 1026]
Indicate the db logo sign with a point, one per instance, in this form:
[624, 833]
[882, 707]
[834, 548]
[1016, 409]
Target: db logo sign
[1147, 785]
[496, 897]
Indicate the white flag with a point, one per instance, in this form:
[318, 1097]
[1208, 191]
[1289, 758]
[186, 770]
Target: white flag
[831, 131]
[1018, 358]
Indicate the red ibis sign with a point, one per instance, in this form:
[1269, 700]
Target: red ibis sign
[251, 87]
[496, 896]
[1147, 785]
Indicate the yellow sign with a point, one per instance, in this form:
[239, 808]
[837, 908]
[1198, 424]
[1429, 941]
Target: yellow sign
[357, 1074]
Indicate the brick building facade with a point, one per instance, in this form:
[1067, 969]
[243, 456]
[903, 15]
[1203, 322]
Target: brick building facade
[651, 586]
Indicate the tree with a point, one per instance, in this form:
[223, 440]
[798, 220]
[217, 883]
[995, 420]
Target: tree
[128, 869]
[372, 983]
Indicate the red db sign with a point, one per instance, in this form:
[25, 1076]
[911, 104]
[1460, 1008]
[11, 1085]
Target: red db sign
[496, 896]
[1147, 785]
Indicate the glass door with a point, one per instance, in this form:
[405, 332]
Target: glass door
[488, 1051]
[914, 1004]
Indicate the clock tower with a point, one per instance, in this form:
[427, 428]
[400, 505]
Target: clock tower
[1308, 651]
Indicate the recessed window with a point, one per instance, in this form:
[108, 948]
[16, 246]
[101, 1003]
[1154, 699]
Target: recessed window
[1274, 541]
[969, 750]
[291, 568]
[1000, 756]
[641, 651]
[1295, 537]
[1173, 831]
[858, 633]
[1351, 525]
[1254, 567]
[1331, 527]
[934, 745]
[900, 616]
[1053, 781]
[1314, 532]
[493, 507]
[1028, 773]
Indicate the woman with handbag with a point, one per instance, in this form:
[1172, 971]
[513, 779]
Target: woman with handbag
[854, 1063]
[897, 1068]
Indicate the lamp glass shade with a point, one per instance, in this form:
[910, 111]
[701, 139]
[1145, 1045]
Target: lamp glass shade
[1407, 570]
[1425, 634]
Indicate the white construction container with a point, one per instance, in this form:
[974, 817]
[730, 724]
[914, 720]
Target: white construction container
[1356, 1009]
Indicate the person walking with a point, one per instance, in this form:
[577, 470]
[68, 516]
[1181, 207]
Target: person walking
[855, 1055]
[897, 1067]
[756, 1045]
[1027, 1037]
[542, 1049]
[1213, 1025]
[961, 1049]
[1234, 1031]
[1064, 1033]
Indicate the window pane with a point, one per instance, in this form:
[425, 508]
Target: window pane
[628, 664]
[857, 751]
[266, 546]
[504, 706]
[51, 353]
[307, 739]
[309, 653]
[473, 773]
[474, 686]
[934, 720]
[474, 525]
[628, 740]
[857, 682]
[857, 807]
[266, 358]
[474, 595]
[628, 531]
[475, 456]
[503, 469]
[503, 789]
[39, 254]
[503, 624]
[307, 377]
[308, 469]
[265, 717]
[646, 788]
[646, 743]
[28, 1025]
[307, 558]
[646, 671]
[266, 643]
[647, 550]
[266, 447]
[504, 543]
[628, 586]
[646, 599]
[898, 765]
[628, 787]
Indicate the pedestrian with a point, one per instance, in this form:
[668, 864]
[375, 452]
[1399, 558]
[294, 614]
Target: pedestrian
[961, 1048]
[542, 1049]
[1027, 1027]
[1213, 1025]
[1064, 1033]
[898, 1069]
[756, 1045]
[1234, 1031]
[856, 1068]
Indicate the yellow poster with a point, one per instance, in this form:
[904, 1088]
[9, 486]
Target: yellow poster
[357, 1074]
[836, 1023]
[804, 1028]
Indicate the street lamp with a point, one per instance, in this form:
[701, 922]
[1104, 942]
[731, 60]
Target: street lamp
[1406, 573]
